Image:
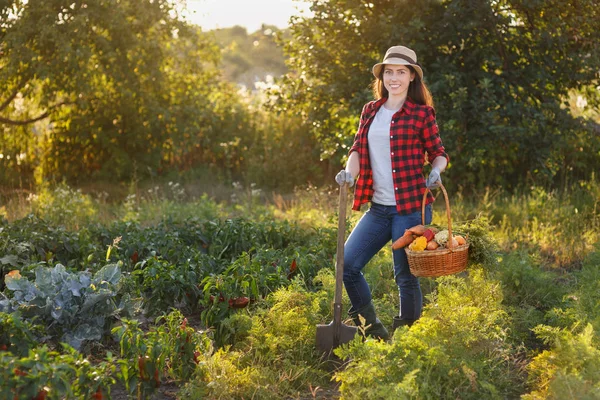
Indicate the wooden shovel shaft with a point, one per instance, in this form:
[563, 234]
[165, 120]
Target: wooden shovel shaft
[339, 264]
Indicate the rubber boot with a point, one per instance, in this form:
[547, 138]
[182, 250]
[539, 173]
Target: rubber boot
[401, 322]
[374, 326]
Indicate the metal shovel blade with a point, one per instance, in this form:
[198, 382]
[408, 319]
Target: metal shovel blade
[326, 336]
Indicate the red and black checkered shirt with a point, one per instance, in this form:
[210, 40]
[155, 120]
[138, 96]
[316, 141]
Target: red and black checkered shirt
[414, 139]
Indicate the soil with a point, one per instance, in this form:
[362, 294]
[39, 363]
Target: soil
[169, 391]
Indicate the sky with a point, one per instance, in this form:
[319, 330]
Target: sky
[211, 14]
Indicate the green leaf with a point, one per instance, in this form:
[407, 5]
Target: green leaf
[10, 259]
[21, 284]
[110, 273]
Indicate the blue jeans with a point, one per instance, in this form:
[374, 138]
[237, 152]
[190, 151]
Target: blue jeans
[376, 228]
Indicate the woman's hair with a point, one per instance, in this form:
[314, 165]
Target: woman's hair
[417, 91]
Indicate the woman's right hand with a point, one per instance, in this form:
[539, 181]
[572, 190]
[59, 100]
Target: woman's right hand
[344, 177]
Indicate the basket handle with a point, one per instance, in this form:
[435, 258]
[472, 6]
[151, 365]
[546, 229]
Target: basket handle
[447, 211]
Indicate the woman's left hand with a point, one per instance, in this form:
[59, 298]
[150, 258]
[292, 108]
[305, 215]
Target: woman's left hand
[434, 179]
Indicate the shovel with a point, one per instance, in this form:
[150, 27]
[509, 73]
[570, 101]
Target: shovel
[335, 333]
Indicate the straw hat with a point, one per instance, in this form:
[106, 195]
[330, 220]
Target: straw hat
[399, 55]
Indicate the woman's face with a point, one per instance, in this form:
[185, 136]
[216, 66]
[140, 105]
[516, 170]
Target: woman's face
[397, 78]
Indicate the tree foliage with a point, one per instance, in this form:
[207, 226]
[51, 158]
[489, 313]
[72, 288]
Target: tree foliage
[500, 73]
[250, 57]
[110, 87]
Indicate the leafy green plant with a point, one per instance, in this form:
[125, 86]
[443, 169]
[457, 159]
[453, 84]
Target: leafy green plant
[580, 304]
[77, 307]
[172, 347]
[569, 370]
[164, 284]
[62, 205]
[48, 374]
[277, 357]
[252, 276]
[183, 345]
[18, 336]
[32, 239]
[483, 249]
[142, 359]
[231, 237]
[459, 347]
[530, 292]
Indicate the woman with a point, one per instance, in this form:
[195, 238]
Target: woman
[396, 135]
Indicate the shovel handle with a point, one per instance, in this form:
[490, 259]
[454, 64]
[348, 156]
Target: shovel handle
[339, 262]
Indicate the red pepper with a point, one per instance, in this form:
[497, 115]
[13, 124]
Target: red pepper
[293, 270]
[141, 365]
[41, 395]
[428, 234]
[239, 302]
[97, 395]
[156, 379]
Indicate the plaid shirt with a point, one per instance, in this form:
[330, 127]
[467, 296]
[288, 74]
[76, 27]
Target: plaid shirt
[414, 139]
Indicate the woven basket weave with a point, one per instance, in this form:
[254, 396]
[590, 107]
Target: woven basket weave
[440, 262]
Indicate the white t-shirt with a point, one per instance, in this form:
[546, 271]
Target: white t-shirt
[381, 160]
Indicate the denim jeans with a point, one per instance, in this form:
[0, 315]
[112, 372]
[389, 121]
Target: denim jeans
[376, 228]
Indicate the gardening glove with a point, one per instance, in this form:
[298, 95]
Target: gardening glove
[344, 177]
[434, 177]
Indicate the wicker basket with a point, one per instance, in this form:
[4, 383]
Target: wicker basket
[440, 262]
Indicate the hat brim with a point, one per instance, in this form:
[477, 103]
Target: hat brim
[395, 61]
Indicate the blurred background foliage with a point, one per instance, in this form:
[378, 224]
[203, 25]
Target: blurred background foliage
[114, 91]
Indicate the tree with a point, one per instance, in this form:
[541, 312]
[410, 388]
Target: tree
[116, 84]
[500, 72]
